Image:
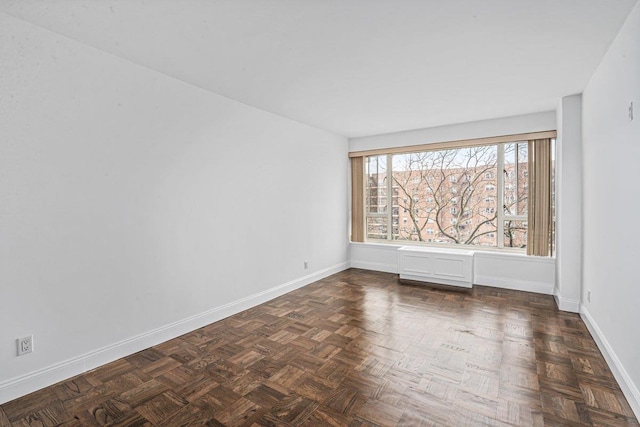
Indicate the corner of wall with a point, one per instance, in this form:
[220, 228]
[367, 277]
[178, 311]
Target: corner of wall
[565, 304]
[629, 388]
[568, 286]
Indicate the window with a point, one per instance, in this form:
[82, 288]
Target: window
[486, 185]
[516, 164]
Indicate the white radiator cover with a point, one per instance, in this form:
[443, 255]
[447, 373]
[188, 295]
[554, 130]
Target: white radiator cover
[453, 267]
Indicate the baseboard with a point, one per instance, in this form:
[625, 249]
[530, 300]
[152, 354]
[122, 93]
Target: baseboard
[33, 381]
[518, 285]
[565, 304]
[629, 389]
[375, 266]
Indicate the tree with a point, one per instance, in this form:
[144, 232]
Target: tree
[515, 193]
[453, 191]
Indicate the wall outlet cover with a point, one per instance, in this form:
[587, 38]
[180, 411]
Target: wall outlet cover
[25, 345]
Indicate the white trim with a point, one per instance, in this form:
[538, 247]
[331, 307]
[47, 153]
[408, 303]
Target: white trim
[437, 281]
[378, 245]
[518, 285]
[566, 304]
[462, 247]
[500, 196]
[32, 381]
[629, 389]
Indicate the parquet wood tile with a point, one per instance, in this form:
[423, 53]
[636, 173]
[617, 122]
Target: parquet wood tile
[354, 349]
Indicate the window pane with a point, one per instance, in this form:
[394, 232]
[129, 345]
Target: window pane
[510, 180]
[516, 171]
[376, 228]
[515, 234]
[447, 196]
[553, 196]
[523, 177]
[376, 191]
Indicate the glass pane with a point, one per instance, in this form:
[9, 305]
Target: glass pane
[516, 172]
[553, 196]
[486, 233]
[376, 228]
[446, 196]
[510, 180]
[523, 177]
[515, 234]
[376, 177]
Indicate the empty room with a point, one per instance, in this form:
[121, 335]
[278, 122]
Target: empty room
[309, 213]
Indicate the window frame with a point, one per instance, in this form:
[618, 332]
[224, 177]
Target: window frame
[501, 216]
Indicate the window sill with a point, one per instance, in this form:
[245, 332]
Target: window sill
[479, 250]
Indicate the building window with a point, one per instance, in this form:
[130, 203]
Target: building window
[459, 180]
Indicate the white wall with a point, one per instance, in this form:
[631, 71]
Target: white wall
[481, 129]
[569, 203]
[134, 207]
[490, 268]
[611, 206]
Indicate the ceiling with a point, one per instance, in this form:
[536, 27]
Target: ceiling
[355, 67]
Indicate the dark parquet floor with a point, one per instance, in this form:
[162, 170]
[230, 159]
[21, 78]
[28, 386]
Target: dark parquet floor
[354, 349]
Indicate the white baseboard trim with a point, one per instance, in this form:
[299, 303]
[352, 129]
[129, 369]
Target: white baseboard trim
[518, 285]
[375, 266]
[565, 304]
[629, 389]
[33, 381]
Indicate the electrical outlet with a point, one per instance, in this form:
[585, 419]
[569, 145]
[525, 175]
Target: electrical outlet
[25, 345]
[306, 265]
[631, 111]
[589, 295]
